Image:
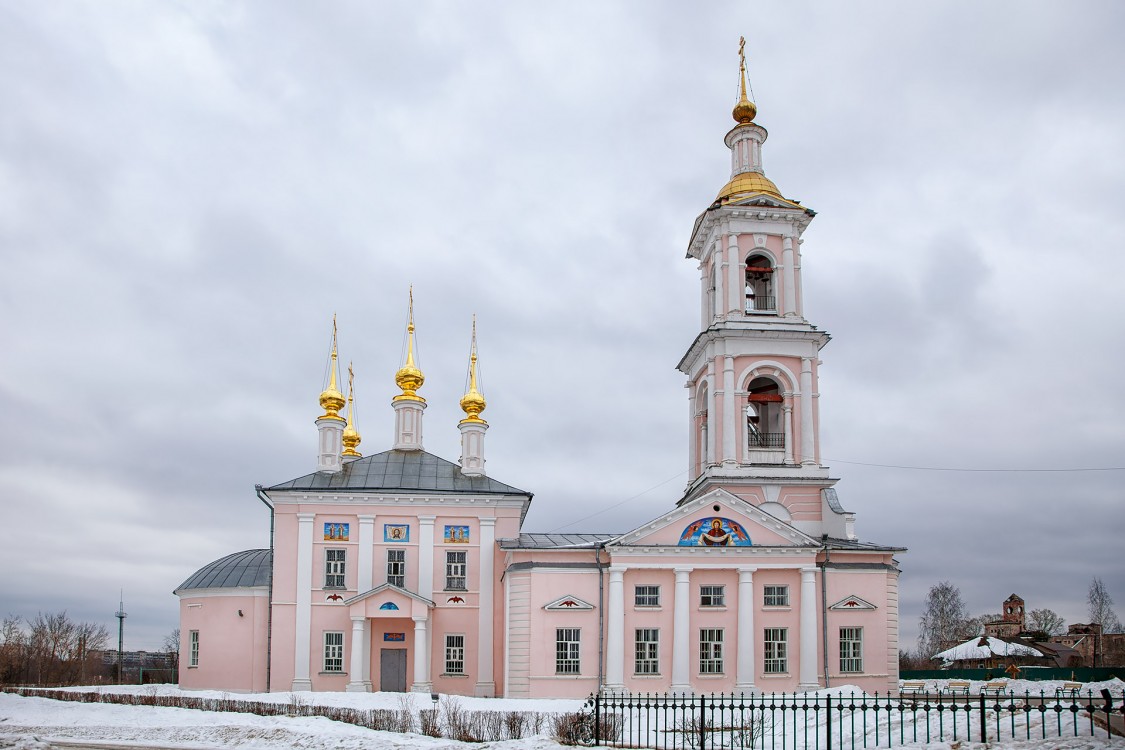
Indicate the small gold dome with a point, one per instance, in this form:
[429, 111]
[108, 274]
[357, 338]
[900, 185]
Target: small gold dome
[472, 403]
[332, 401]
[747, 183]
[351, 441]
[744, 111]
[351, 438]
[409, 378]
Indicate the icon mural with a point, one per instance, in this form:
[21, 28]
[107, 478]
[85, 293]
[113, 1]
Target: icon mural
[336, 532]
[456, 534]
[715, 532]
[395, 532]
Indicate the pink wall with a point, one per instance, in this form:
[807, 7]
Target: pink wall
[231, 646]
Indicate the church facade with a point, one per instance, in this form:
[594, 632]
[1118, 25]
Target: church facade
[404, 571]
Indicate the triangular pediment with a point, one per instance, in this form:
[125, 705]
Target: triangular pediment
[852, 603]
[568, 604]
[736, 523]
[388, 593]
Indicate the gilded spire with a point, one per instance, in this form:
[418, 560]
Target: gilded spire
[744, 110]
[473, 403]
[331, 400]
[409, 378]
[351, 438]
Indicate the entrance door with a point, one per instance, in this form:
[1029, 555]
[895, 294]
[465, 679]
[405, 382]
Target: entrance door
[392, 670]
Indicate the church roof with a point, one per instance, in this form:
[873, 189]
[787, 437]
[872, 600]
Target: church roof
[556, 541]
[408, 471]
[242, 569]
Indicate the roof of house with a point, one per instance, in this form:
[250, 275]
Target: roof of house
[241, 570]
[405, 471]
[556, 541]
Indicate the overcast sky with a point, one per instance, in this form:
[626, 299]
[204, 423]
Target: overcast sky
[189, 191]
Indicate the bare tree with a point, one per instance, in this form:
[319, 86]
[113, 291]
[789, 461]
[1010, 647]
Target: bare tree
[945, 619]
[1045, 620]
[172, 648]
[1099, 606]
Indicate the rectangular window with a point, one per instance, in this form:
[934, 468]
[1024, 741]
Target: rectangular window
[334, 568]
[646, 596]
[776, 596]
[647, 651]
[396, 567]
[711, 596]
[455, 571]
[776, 651]
[567, 648]
[851, 649]
[193, 653]
[333, 652]
[455, 654]
[711, 651]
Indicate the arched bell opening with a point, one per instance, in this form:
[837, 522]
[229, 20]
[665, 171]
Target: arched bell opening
[764, 427]
[759, 285]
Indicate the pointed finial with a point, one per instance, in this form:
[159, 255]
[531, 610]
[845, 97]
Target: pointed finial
[473, 403]
[331, 400]
[409, 378]
[744, 110]
[351, 438]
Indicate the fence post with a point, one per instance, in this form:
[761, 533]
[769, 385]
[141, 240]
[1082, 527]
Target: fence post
[828, 723]
[983, 720]
[702, 724]
[598, 717]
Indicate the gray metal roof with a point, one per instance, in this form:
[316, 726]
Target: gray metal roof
[555, 541]
[409, 471]
[242, 569]
[833, 500]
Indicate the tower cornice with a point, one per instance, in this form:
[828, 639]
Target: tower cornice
[727, 330]
[747, 217]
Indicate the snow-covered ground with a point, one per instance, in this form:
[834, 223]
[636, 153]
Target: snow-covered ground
[39, 723]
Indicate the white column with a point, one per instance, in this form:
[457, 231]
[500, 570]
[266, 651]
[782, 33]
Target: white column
[712, 417]
[426, 556]
[364, 558]
[615, 631]
[808, 648]
[472, 448]
[808, 450]
[730, 408]
[693, 434]
[422, 682]
[717, 304]
[331, 430]
[486, 684]
[408, 424]
[787, 419]
[355, 670]
[681, 637]
[789, 277]
[744, 674]
[735, 286]
[302, 645]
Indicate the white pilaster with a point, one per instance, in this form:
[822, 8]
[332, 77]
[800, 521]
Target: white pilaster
[789, 277]
[693, 435]
[408, 424]
[681, 637]
[426, 556]
[735, 286]
[744, 670]
[422, 682]
[472, 448]
[615, 631]
[712, 417]
[730, 410]
[355, 670]
[717, 275]
[787, 419]
[808, 447]
[331, 434]
[808, 646]
[486, 684]
[365, 556]
[302, 644]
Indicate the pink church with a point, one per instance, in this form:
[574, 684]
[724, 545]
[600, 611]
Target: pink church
[404, 571]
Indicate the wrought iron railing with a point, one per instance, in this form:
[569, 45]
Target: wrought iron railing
[820, 722]
[761, 303]
[767, 439]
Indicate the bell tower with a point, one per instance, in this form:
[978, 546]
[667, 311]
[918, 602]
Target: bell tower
[752, 370]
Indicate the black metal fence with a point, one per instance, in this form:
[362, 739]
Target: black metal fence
[822, 722]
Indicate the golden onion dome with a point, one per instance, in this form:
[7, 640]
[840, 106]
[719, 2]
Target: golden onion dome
[351, 441]
[409, 378]
[351, 438]
[331, 400]
[744, 111]
[747, 183]
[473, 403]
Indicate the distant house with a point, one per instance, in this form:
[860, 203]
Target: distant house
[1096, 649]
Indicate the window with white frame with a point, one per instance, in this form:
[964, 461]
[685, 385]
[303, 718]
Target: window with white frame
[396, 567]
[455, 565]
[776, 596]
[455, 654]
[334, 568]
[333, 652]
[647, 651]
[711, 651]
[712, 596]
[776, 651]
[646, 596]
[851, 649]
[193, 648]
[567, 650]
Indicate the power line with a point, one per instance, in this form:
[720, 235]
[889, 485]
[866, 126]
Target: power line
[618, 505]
[954, 468]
